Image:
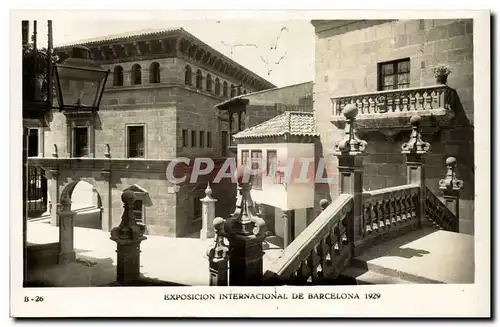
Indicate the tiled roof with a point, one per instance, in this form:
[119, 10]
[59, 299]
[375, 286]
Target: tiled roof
[295, 123]
[121, 36]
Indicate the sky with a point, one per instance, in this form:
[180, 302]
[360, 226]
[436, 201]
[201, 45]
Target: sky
[281, 51]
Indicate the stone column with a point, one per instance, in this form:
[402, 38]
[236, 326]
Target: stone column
[350, 151]
[66, 231]
[106, 201]
[289, 227]
[451, 187]
[245, 231]
[218, 256]
[128, 237]
[52, 176]
[208, 214]
[414, 150]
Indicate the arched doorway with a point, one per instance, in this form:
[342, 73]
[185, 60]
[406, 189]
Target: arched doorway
[86, 202]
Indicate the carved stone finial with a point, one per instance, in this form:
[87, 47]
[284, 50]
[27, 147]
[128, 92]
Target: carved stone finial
[415, 145]
[323, 203]
[208, 191]
[451, 182]
[128, 198]
[350, 144]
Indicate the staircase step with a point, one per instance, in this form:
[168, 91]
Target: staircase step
[367, 277]
[391, 272]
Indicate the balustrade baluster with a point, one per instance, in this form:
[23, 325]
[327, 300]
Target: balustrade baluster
[380, 214]
[434, 100]
[371, 107]
[404, 207]
[387, 213]
[374, 218]
[367, 228]
[397, 209]
[412, 102]
[329, 245]
[337, 241]
[420, 101]
[397, 102]
[390, 102]
[415, 201]
[404, 101]
[302, 273]
[322, 258]
[311, 267]
[428, 100]
[365, 105]
[392, 210]
[343, 231]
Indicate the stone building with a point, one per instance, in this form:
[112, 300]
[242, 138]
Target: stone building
[158, 105]
[386, 67]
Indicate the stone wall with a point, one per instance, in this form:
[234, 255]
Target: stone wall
[347, 60]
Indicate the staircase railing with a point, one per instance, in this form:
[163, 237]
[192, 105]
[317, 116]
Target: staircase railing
[321, 251]
[389, 210]
[438, 214]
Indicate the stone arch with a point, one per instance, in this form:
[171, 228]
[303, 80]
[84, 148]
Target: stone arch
[91, 216]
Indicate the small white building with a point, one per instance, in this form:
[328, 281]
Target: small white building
[284, 188]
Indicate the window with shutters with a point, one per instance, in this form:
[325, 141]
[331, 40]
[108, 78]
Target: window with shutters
[135, 141]
[394, 75]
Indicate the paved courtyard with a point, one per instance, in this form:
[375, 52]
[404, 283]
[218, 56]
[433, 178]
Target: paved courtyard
[173, 260]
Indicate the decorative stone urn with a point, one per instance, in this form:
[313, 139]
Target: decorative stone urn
[441, 73]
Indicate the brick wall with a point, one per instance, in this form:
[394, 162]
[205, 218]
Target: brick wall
[346, 63]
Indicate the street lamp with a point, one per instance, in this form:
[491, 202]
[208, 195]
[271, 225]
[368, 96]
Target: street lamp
[80, 81]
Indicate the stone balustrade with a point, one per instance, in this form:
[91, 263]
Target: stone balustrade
[394, 107]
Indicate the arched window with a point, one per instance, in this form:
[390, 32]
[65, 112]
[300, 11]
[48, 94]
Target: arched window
[224, 90]
[209, 83]
[239, 90]
[154, 73]
[199, 79]
[233, 90]
[188, 76]
[217, 87]
[136, 74]
[118, 76]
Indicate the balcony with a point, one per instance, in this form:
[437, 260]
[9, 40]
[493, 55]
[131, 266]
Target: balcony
[391, 110]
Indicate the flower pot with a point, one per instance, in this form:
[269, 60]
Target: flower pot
[441, 79]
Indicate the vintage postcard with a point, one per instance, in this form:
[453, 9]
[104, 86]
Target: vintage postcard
[250, 164]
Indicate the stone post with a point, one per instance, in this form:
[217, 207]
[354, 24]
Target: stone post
[289, 226]
[451, 187]
[245, 231]
[52, 176]
[66, 231]
[414, 150]
[218, 256]
[207, 215]
[350, 151]
[128, 237]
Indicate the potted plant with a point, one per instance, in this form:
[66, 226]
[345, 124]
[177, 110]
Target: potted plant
[441, 73]
[35, 70]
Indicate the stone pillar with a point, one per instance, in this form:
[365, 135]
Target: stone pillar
[245, 231]
[218, 256]
[52, 176]
[239, 121]
[289, 227]
[451, 187]
[66, 231]
[414, 150]
[106, 201]
[350, 151]
[128, 237]
[208, 214]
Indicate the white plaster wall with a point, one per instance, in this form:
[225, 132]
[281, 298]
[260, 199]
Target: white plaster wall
[301, 195]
